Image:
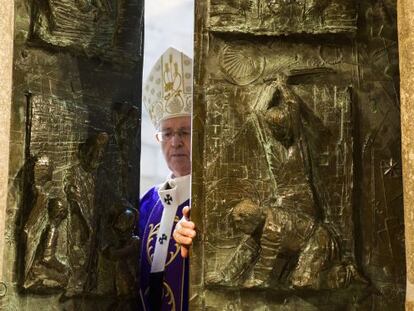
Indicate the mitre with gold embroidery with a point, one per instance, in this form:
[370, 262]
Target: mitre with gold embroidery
[168, 91]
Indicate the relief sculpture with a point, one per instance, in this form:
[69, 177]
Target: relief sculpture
[290, 222]
[102, 29]
[275, 17]
[281, 230]
[125, 116]
[296, 180]
[44, 270]
[60, 231]
[78, 240]
[73, 156]
[78, 234]
[79, 187]
[124, 253]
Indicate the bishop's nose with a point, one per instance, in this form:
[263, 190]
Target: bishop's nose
[176, 140]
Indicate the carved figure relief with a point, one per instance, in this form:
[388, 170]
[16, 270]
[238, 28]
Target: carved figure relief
[269, 232]
[100, 29]
[71, 198]
[66, 230]
[71, 152]
[290, 132]
[65, 233]
[44, 270]
[292, 182]
[79, 186]
[274, 17]
[126, 127]
[125, 255]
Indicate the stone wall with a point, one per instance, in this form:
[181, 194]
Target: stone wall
[6, 65]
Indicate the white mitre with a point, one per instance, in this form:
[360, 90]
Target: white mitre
[168, 91]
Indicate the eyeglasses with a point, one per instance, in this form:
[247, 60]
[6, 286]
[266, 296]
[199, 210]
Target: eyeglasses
[167, 135]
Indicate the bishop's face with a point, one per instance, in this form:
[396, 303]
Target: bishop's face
[175, 138]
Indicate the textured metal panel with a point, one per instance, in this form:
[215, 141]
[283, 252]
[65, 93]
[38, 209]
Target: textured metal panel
[297, 187]
[74, 151]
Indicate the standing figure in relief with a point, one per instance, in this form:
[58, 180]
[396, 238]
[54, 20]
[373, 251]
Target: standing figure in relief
[124, 252]
[80, 183]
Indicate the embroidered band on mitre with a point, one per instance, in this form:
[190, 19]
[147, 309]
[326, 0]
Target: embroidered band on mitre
[168, 91]
[172, 193]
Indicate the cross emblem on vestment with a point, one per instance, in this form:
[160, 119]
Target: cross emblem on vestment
[168, 199]
[162, 238]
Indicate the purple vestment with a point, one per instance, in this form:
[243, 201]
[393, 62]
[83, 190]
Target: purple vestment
[175, 278]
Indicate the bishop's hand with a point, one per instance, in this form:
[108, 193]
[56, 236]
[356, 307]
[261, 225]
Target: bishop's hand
[184, 232]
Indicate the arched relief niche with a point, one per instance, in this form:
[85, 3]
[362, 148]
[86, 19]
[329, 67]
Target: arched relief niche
[297, 178]
[73, 176]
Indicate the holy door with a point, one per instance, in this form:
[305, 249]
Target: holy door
[297, 188]
[74, 171]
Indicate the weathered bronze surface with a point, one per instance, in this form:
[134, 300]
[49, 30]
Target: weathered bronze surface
[74, 169]
[43, 269]
[274, 17]
[103, 28]
[405, 11]
[296, 157]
